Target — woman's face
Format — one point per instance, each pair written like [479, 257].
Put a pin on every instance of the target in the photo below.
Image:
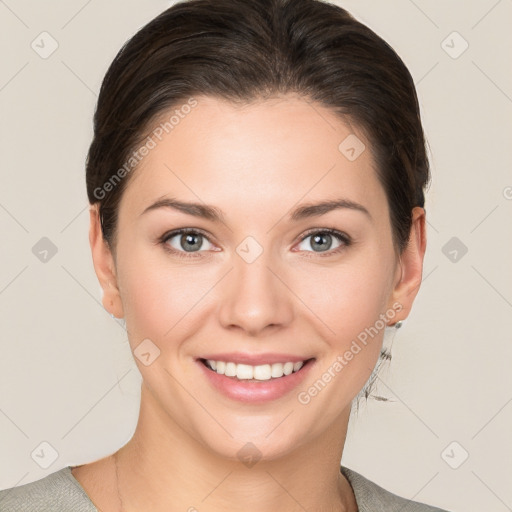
[262, 281]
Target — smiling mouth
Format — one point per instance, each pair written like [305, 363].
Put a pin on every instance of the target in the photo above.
[257, 373]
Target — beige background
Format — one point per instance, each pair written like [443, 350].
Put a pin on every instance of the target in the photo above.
[66, 372]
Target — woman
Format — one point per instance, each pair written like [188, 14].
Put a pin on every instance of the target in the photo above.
[256, 183]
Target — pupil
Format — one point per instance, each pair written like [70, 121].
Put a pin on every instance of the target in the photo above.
[318, 240]
[322, 242]
[191, 240]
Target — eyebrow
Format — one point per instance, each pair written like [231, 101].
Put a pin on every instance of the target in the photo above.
[216, 215]
[314, 209]
[196, 209]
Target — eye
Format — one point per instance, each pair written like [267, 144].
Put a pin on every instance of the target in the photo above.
[186, 240]
[321, 241]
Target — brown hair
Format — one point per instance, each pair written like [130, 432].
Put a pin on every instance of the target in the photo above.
[243, 51]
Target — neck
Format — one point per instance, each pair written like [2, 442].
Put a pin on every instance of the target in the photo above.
[163, 468]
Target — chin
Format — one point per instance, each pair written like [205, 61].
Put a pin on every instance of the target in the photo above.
[250, 450]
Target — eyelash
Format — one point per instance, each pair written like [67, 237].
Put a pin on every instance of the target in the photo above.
[341, 237]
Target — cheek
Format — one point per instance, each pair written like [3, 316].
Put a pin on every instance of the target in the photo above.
[164, 299]
[349, 296]
[349, 317]
[159, 297]
[349, 303]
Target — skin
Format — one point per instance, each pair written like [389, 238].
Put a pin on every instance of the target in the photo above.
[256, 163]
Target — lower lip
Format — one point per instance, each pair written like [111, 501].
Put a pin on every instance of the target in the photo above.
[256, 392]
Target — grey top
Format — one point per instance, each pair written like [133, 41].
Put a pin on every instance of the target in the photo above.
[61, 492]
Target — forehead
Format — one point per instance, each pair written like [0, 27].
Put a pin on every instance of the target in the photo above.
[268, 154]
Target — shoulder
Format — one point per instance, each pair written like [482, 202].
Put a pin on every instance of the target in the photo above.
[58, 492]
[370, 496]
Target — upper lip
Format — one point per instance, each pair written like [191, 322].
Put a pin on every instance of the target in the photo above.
[255, 359]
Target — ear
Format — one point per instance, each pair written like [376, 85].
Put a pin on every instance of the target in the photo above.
[410, 267]
[104, 265]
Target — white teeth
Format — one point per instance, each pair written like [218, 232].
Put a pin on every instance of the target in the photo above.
[262, 372]
[277, 370]
[288, 368]
[230, 370]
[243, 371]
[259, 372]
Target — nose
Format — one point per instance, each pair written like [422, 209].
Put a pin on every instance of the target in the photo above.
[255, 297]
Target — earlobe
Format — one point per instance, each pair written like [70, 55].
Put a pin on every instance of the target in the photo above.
[410, 267]
[104, 265]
